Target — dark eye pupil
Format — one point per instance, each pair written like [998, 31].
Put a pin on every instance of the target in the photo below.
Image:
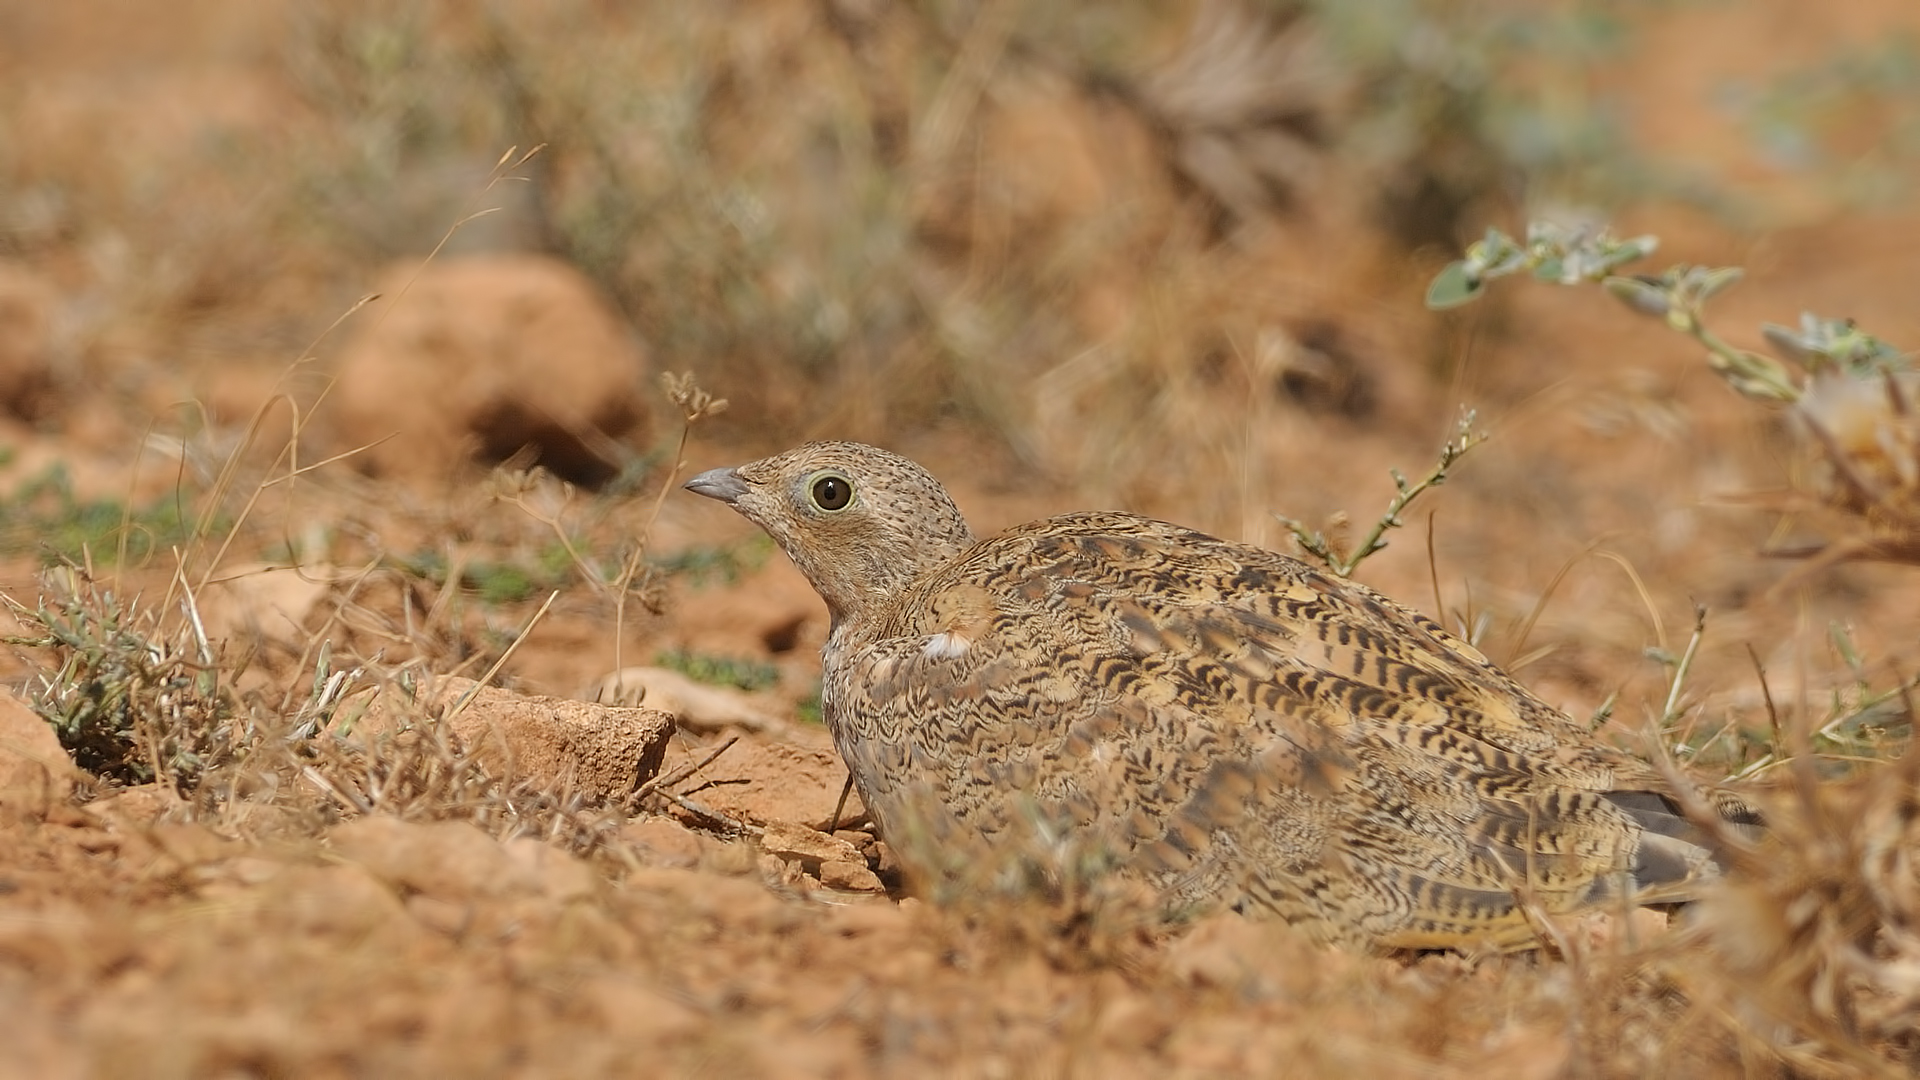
[832, 493]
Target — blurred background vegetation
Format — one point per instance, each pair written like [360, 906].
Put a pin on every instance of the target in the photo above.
[1165, 256]
[1065, 227]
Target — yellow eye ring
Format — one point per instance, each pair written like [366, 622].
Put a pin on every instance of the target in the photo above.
[830, 492]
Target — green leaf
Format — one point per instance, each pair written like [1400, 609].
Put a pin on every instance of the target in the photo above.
[1645, 297]
[1637, 248]
[1452, 287]
[1714, 282]
[1787, 345]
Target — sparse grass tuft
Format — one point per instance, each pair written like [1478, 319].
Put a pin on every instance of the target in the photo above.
[1045, 886]
[137, 698]
[132, 702]
[1810, 951]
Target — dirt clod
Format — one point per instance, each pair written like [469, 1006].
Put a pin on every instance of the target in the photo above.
[851, 875]
[449, 861]
[35, 771]
[470, 366]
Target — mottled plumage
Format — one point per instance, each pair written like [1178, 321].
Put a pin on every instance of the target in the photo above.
[1237, 727]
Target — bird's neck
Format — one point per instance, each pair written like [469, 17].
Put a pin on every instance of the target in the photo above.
[860, 586]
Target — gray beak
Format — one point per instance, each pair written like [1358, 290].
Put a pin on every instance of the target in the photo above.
[722, 484]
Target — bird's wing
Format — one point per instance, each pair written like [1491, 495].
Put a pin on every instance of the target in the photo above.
[1254, 731]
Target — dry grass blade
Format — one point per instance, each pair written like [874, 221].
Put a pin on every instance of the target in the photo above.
[681, 773]
[1818, 935]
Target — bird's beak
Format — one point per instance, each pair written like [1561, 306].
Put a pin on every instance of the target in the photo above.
[722, 484]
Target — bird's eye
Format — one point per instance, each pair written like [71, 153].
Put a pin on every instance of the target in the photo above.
[832, 492]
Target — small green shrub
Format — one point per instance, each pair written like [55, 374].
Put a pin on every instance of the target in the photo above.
[720, 670]
[44, 516]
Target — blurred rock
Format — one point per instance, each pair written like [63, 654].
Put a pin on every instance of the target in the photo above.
[134, 808]
[604, 751]
[662, 841]
[810, 847]
[344, 900]
[698, 706]
[189, 843]
[482, 356]
[625, 1001]
[27, 306]
[561, 876]
[35, 771]
[448, 861]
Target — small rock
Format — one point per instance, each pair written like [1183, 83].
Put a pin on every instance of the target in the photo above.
[605, 751]
[884, 862]
[850, 876]
[699, 707]
[861, 840]
[663, 841]
[807, 846]
[777, 871]
[35, 771]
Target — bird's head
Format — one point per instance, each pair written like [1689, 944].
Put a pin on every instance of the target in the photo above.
[861, 523]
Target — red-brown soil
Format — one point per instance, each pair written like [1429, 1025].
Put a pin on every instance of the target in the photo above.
[169, 288]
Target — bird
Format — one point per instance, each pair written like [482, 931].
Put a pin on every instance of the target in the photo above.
[1231, 726]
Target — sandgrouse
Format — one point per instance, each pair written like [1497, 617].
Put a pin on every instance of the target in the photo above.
[1237, 728]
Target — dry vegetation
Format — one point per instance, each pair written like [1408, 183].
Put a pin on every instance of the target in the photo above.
[1162, 257]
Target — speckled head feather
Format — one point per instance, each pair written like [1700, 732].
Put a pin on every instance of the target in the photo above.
[1232, 726]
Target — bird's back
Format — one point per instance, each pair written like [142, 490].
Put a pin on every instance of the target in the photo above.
[1241, 729]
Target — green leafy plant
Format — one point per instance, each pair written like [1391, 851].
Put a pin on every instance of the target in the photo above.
[1852, 397]
[732, 671]
[1328, 550]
